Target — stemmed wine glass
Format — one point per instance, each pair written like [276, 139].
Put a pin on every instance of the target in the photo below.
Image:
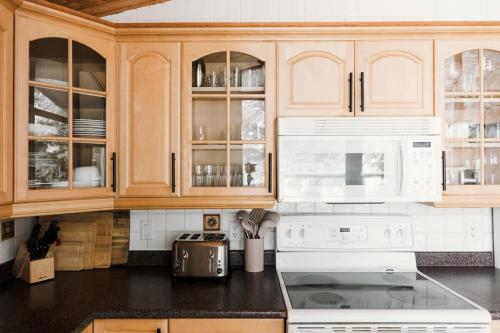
[492, 164]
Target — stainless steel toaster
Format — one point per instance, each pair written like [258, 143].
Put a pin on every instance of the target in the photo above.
[200, 255]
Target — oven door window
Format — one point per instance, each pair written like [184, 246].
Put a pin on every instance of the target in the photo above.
[338, 170]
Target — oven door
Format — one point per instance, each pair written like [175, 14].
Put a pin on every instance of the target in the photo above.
[339, 169]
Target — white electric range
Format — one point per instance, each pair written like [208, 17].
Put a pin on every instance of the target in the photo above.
[358, 273]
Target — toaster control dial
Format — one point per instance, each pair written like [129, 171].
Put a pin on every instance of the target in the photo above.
[219, 270]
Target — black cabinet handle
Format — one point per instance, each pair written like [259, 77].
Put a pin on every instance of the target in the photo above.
[362, 97]
[350, 92]
[113, 181]
[270, 180]
[173, 172]
[443, 158]
[158, 330]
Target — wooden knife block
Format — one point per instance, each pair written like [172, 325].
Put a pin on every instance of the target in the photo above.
[36, 270]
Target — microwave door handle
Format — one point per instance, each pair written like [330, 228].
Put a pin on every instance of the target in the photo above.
[401, 169]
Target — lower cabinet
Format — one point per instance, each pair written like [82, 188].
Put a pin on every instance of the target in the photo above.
[226, 325]
[187, 326]
[131, 326]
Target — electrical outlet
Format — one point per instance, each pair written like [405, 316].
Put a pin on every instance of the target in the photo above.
[472, 231]
[8, 230]
[235, 231]
[146, 229]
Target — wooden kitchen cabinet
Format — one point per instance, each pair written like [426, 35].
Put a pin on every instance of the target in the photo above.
[228, 118]
[226, 325]
[150, 119]
[468, 102]
[131, 326]
[315, 78]
[394, 78]
[6, 101]
[65, 113]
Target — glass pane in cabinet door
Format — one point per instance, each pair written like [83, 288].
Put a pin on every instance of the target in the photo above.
[462, 72]
[491, 70]
[492, 118]
[209, 73]
[209, 166]
[463, 117]
[209, 119]
[89, 165]
[47, 165]
[491, 163]
[247, 165]
[247, 73]
[89, 116]
[463, 163]
[89, 68]
[248, 119]
[48, 112]
[49, 61]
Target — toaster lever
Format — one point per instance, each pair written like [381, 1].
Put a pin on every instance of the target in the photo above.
[211, 261]
[185, 257]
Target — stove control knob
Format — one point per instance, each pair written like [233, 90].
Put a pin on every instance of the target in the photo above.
[387, 232]
[302, 233]
[290, 233]
[400, 232]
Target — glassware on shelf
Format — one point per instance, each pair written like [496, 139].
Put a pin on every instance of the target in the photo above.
[463, 163]
[492, 118]
[248, 119]
[491, 70]
[198, 73]
[48, 112]
[47, 164]
[209, 113]
[209, 73]
[199, 133]
[247, 73]
[247, 165]
[462, 72]
[491, 163]
[463, 117]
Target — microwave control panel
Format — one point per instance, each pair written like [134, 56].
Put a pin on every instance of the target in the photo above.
[424, 166]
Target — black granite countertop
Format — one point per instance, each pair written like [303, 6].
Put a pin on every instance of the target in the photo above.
[479, 284]
[74, 299]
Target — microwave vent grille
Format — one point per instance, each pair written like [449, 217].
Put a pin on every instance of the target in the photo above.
[398, 329]
[359, 126]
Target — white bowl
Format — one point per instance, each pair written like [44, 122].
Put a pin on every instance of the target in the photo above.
[86, 174]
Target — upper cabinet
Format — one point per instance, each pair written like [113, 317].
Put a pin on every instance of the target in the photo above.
[228, 119]
[394, 77]
[362, 78]
[315, 78]
[149, 119]
[468, 101]
[6, 101]
[64, 112]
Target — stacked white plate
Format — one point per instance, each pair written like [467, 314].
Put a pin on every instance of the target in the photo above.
[89, 127]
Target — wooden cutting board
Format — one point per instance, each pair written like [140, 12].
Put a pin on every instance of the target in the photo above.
[121, 236]
[104, 228]
[69, 256]
[77, 231]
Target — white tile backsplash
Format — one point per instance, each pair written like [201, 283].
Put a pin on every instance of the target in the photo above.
[436, 229]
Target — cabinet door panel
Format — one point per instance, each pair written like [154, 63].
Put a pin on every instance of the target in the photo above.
[131, 326]
[150, 118]
[314, 78]
[398, 78]
[226, 325]
[6, 102]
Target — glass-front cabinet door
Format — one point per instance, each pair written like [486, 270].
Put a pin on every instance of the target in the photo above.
[468, 100]
[228, 119]
[64, 142]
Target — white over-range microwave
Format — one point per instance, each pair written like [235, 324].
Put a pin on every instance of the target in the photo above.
[359, 160]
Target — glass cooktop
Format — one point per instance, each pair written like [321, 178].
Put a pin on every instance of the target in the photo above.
[335, 290]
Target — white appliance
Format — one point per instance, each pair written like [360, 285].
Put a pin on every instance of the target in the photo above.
[358, 273]
[349, 160]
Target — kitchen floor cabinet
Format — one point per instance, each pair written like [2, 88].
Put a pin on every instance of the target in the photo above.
[361, 78]
[468, 102]
[131, 326]
[6, 101]
[228, 119]
[226, 325]
[150, 119]
[65, 128]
